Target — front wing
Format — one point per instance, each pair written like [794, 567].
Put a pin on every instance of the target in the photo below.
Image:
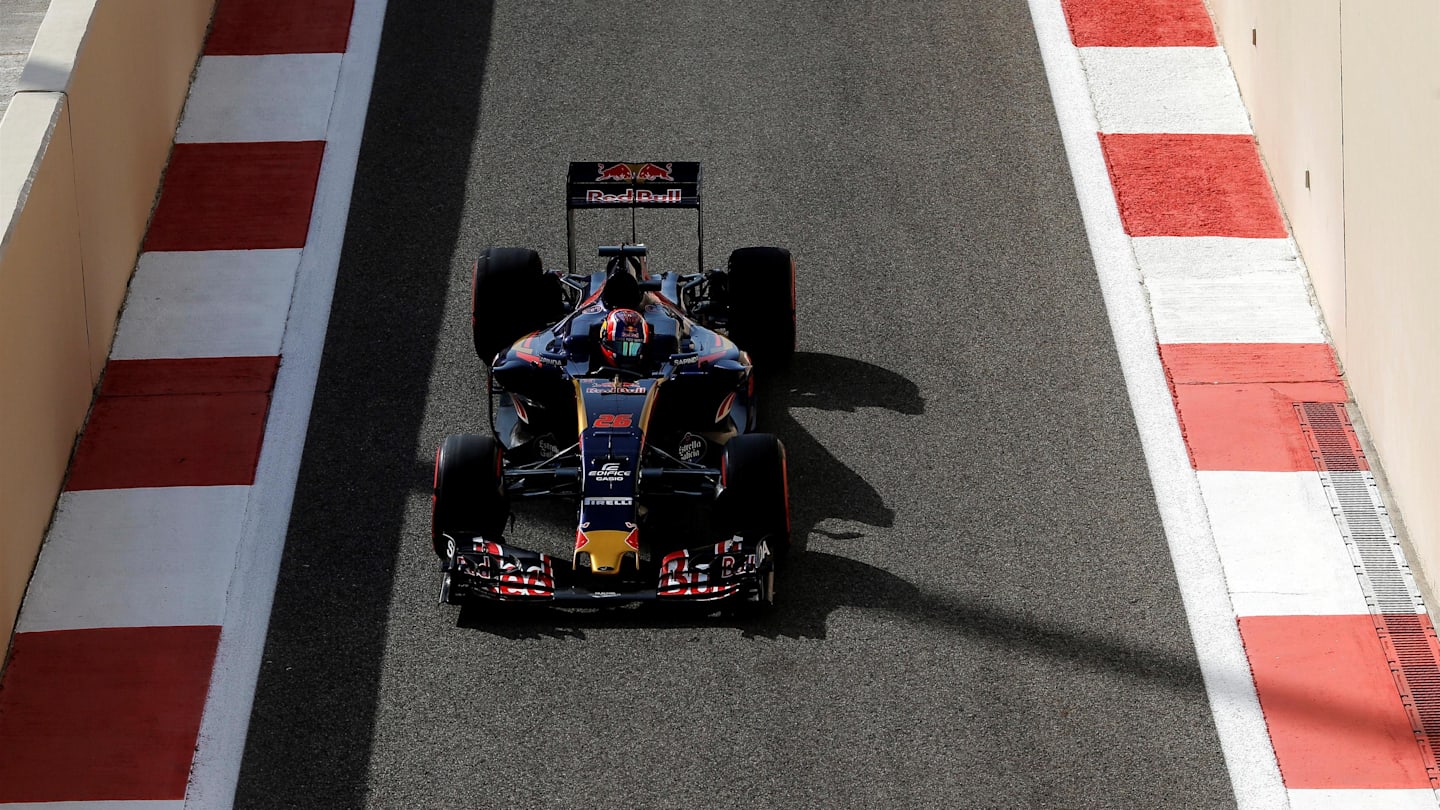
[485, 570]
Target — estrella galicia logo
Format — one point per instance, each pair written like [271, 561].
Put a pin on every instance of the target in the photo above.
[691, 447]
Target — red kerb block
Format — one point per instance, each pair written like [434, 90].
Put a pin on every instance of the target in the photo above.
[255, 27]
[1331, 704]
[1139, 23]
[1191, 185]
[158, 423]
[1212, 363]
[1250, 427]
[237, 196]
[108, 714]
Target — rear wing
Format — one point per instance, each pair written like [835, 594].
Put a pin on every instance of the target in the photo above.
[602, 184]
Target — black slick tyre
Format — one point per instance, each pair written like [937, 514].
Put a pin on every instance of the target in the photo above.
[468, 495]
[761, 298]
[755, 492]
[510, 296]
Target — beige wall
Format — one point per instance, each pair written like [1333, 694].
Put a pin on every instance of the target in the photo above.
[45, 378]
[1290, 78]
[1351, 90]
[82, 148]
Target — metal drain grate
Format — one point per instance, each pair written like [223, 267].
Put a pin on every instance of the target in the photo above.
[1332, 439]
[1396, 607]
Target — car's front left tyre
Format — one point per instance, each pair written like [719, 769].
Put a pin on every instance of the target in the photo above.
[760, 284]
[755, 492]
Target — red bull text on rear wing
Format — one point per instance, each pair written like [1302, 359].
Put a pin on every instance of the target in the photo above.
[622, 184]
[593, 184]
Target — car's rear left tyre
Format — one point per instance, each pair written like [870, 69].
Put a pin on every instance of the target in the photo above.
[511, 296]
[755, 491]
[760, 293]
[469, 497]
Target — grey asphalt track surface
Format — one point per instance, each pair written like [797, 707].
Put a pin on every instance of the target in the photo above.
[981, 612]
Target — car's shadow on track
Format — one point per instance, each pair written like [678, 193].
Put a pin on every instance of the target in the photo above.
[823, 582]
[822, 488]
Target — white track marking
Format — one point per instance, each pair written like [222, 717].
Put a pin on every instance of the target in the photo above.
[136, 558]
[1253, 308]
[222, 303]
[1214, 256]
[1362, 799]
[1282, 549]
[1239, 723]
[276, 97]
[1149, 90]
[215, 772]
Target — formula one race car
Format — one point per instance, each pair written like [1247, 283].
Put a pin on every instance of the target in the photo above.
[632, 393]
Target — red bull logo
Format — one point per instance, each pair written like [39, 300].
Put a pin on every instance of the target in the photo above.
[618, 172]
[637, 172]
[631, 196]
[652, 173]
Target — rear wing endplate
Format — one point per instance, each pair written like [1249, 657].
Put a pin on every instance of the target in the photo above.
[602, 184]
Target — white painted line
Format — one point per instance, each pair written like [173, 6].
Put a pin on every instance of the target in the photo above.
[1239, 723]
[1282, 550]
[277, 97]
[215, 771]
[136, 558]
[1363, 800]
[1153, 90]
[1214, 256]
[1255, 308]
[222, 303]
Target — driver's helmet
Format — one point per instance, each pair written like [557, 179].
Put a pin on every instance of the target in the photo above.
[623, 336]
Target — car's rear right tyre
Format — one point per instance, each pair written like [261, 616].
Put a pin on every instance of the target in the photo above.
[755, 491]
[761, 304]
[469, 497]
[511, 296]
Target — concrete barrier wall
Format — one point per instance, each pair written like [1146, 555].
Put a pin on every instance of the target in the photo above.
[82, 148]
[1349, 90]
[45, 379]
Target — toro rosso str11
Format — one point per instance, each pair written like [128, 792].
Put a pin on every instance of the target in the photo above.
[631, 394]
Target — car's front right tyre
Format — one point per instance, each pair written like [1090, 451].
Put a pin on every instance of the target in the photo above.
[468, 496]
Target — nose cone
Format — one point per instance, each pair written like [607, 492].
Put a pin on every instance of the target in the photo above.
[607, 549]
